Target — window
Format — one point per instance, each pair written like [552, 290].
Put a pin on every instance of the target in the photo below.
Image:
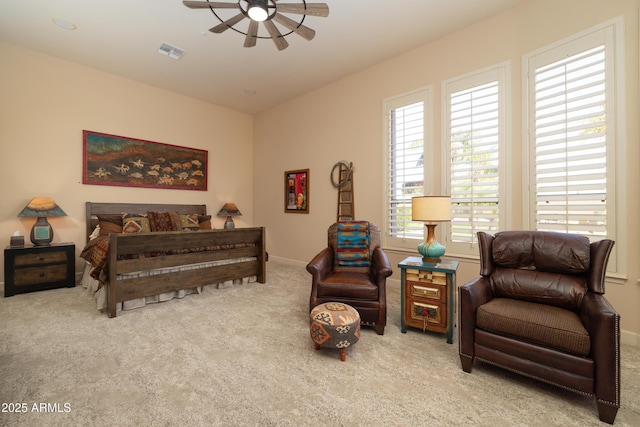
[405, 143]
[475, 135]
[573, 138]
[571, 145]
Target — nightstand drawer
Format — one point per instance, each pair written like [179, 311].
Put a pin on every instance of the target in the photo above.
[40, 258]
[427, 290]
[427, 315]
[37, 275]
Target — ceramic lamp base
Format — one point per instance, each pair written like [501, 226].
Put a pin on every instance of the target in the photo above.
[228, 224]
[41, 232]
[431, 252]
[430, 249]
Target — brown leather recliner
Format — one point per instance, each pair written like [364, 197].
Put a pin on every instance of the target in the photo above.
[538, 309]
[352, 270]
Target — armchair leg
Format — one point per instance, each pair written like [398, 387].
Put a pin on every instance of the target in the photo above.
[380, 330]
[607, 412]
[467, 362]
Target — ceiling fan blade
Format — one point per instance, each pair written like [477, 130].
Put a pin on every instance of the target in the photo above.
[252, 32]
[206, 5]
[227, 24]
[313, 9]
[276, 36]
[301, 30]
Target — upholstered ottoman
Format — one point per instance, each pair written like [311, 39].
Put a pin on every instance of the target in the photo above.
[335, 325]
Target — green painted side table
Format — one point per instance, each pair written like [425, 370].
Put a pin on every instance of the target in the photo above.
[428, 295]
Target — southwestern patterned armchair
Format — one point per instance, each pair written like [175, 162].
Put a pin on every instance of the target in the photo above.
[352, 270]
[538, 309]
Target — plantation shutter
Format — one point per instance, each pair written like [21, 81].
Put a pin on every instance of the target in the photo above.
[405, 168]
[571, 144]
[474, 148]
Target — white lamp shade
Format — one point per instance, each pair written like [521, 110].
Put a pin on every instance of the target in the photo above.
[431, 208]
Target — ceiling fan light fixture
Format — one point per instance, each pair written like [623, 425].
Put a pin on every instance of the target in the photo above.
[257, 10]
[267, 12]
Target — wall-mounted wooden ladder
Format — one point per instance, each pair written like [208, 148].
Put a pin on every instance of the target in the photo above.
[346, 207]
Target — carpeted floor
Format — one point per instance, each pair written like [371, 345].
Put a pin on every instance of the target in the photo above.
[242, 356]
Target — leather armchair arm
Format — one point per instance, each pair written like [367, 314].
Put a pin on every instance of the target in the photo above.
[471, 295]
[603, 324]
[321, 265]
[600, 252]
[380, 267]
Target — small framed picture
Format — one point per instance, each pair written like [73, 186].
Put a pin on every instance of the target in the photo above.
[296, 191]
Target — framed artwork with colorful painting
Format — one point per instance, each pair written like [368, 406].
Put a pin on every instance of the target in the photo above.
[130, 162]
[296, 191]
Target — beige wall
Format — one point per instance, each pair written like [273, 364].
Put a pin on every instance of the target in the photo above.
[343, 121]
[45, 103]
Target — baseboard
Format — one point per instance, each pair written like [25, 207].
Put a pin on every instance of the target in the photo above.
[630, 338]
[289, 261]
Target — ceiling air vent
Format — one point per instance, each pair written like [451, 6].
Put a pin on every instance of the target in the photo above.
[170, 51]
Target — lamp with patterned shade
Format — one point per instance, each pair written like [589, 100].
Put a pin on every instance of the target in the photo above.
[41, 207]
[229, 210]
[431, 209]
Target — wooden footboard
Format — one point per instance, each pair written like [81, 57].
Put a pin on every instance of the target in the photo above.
[132, 244]
[238, 243]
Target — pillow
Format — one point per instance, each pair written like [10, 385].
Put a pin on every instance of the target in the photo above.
[164, 221]
[95, 233]
[205, 222]
[561, 290]
[109, 224]
[135, 223]
[189, 222]
[353, 240]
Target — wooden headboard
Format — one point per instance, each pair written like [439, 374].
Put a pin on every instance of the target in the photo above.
[93, 209]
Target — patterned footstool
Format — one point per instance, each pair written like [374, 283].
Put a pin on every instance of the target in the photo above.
[335, 325]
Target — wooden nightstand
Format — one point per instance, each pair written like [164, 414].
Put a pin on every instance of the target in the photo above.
[36, 268]
[427, 295]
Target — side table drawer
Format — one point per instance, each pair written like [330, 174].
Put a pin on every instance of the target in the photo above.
[37, 275]
[40, 258]
[427, 290]
[424, 314]
[435, 277]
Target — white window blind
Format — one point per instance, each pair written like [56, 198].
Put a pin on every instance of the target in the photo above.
[405, 168]
[571, 144]
[474, 144]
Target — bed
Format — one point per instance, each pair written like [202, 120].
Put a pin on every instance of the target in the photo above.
[145, 267]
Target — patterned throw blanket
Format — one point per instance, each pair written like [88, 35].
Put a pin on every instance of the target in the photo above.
[96, 253]
[353, 244]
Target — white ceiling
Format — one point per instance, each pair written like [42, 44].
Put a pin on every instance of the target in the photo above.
[122, 37]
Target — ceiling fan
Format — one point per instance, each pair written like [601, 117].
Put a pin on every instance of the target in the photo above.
[265, 11]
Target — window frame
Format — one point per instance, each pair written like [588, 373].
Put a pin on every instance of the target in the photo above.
[611, 34]
[424, 95]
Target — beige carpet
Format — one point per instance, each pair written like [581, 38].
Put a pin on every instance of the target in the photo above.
[242, 356]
